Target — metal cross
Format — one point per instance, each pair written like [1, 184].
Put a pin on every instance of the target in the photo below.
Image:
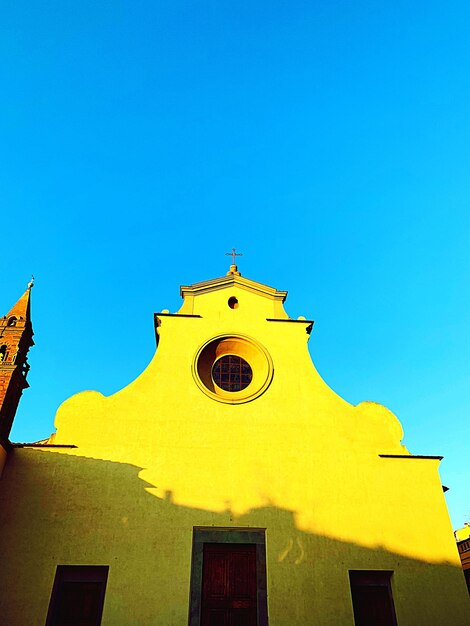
[233, 254]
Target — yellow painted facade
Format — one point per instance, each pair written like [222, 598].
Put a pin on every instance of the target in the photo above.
[462, 536]
[462, 533]
[331, 483]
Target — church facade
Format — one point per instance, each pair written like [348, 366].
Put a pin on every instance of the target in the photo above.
[227, 485]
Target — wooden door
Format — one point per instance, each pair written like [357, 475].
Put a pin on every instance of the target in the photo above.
[229, 588]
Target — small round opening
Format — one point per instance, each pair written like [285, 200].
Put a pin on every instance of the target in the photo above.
[233, 302]
[231, 373]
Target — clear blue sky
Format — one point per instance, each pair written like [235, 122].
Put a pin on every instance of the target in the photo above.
[328, 141]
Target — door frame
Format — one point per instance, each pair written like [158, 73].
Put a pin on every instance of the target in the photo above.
[202, 535]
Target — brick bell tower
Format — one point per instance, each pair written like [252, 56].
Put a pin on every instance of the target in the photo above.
[16, 337]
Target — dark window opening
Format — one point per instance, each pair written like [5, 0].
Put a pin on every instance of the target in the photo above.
[233, 302]
[3, 353]
[372, 598]
[467, 578]
[11, 321]
[77, 596]
[232, 373]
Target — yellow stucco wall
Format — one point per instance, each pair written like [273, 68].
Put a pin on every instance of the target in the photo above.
[161, 456]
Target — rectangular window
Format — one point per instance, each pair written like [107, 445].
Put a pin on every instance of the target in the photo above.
[467, 578]
[372, 598]
[77, 595]
[228, 578]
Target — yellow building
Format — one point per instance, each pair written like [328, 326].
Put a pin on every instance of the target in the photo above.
[462, 536]
[227, 485]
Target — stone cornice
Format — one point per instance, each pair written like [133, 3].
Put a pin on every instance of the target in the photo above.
[232, 280]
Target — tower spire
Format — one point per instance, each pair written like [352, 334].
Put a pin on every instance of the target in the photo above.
[22, 308]
[16, 337]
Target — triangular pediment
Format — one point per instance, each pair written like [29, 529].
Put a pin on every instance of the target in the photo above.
[229, 281]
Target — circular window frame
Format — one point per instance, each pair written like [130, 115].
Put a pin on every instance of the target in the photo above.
[245, 347]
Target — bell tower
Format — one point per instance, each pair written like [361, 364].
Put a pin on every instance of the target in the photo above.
[16, 337]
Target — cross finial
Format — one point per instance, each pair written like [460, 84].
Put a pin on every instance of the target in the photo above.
[31, 282]
[233, 254]
[233, 267]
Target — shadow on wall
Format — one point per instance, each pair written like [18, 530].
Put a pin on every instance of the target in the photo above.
[58, 508]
